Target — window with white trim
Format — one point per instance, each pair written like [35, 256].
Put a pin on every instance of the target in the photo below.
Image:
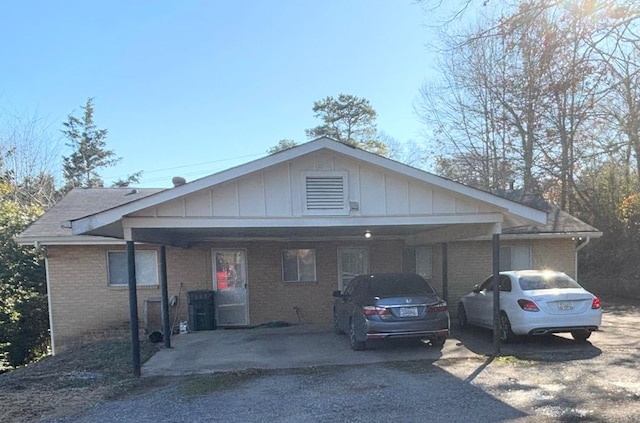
[299, 265]
[146, 268]
[516, 257]
[325, 193]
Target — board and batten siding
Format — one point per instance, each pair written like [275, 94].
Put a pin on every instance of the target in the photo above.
[279, 192]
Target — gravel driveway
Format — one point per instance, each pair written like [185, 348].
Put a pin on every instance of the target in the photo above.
[544, 379]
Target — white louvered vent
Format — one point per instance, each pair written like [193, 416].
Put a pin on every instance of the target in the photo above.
[325, 193]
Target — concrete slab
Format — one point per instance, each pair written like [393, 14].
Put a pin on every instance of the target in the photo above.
[303, 345]
[308, 345]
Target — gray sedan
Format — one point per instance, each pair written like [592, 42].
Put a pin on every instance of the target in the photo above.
[390, 305]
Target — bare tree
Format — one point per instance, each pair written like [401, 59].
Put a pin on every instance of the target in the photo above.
[30, 152]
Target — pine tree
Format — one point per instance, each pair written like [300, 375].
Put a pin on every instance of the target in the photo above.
[90, 151]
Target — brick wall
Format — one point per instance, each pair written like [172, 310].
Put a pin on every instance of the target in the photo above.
[471, 263]
[271, 299]
[84, 305]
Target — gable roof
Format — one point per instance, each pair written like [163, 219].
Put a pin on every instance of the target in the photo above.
[99, 211]
[107, 218]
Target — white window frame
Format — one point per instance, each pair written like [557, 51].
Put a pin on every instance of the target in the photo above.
[298, 258]
[343, 210]
[146, 272]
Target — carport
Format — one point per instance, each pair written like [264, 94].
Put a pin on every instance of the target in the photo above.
[321, 191]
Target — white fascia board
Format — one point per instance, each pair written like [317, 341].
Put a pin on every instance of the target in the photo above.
[68, 240]
[302, 222]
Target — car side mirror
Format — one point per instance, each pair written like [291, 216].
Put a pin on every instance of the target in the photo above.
[338, 294]
[476, 289]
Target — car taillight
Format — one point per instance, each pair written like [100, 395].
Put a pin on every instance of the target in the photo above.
[528, 305]
[375, 311]
[437, 308]
[596, 303]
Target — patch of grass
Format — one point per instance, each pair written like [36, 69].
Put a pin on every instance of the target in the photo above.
[72, 379]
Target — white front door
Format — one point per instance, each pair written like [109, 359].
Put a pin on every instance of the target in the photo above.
[230, 284]
[352, 261]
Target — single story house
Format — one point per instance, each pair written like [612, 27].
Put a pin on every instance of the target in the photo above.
[273, 238]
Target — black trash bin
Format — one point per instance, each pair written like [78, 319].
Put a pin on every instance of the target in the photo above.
[201, 310]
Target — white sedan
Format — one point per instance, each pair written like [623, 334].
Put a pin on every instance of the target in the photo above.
[533, 302]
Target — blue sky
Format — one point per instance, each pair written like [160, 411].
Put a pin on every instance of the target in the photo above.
[194, 87]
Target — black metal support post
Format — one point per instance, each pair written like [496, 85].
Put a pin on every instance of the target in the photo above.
[165, 297]
[445, 271]
[133, 308]
[496, 294]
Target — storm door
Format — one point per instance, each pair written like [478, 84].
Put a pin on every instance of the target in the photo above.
[230, 284]
[352, 261]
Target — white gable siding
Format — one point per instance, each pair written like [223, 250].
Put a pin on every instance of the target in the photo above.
[225, 200]
[198, 205]
[281, 191]
[443, 202]
[397, 195]
[463, 206]
[277, 191]
[420, 199]
[171, 208]
[372, 192]
[324, 161]
[251, 196]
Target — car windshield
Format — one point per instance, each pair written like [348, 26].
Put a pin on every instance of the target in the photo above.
[552, 281]
[398, 285]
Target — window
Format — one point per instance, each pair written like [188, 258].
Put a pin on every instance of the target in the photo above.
[515, 257]
[146, 268]
[299, 265]
[352, 261]
[325, 193]
[418, 260]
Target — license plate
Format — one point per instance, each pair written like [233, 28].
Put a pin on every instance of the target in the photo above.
[565, 306]
[408, 311]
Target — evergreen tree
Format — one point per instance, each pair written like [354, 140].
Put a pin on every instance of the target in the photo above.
[90, 153]
[350, 120]
[24, 321]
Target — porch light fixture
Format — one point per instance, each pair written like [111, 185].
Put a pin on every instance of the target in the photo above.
[367, 234]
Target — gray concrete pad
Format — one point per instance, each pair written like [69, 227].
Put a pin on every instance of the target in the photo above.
[296, 346]
[309, 345]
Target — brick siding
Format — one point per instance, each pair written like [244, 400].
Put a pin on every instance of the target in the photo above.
[85, 306]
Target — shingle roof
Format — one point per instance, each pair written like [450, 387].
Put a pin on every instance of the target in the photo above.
[558, 222]
[80, 202]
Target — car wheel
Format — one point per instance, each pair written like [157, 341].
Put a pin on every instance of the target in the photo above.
[581, 335]
[336, 325]
[438, 342]
[463, 322]
[355, 344]
[506, 334]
